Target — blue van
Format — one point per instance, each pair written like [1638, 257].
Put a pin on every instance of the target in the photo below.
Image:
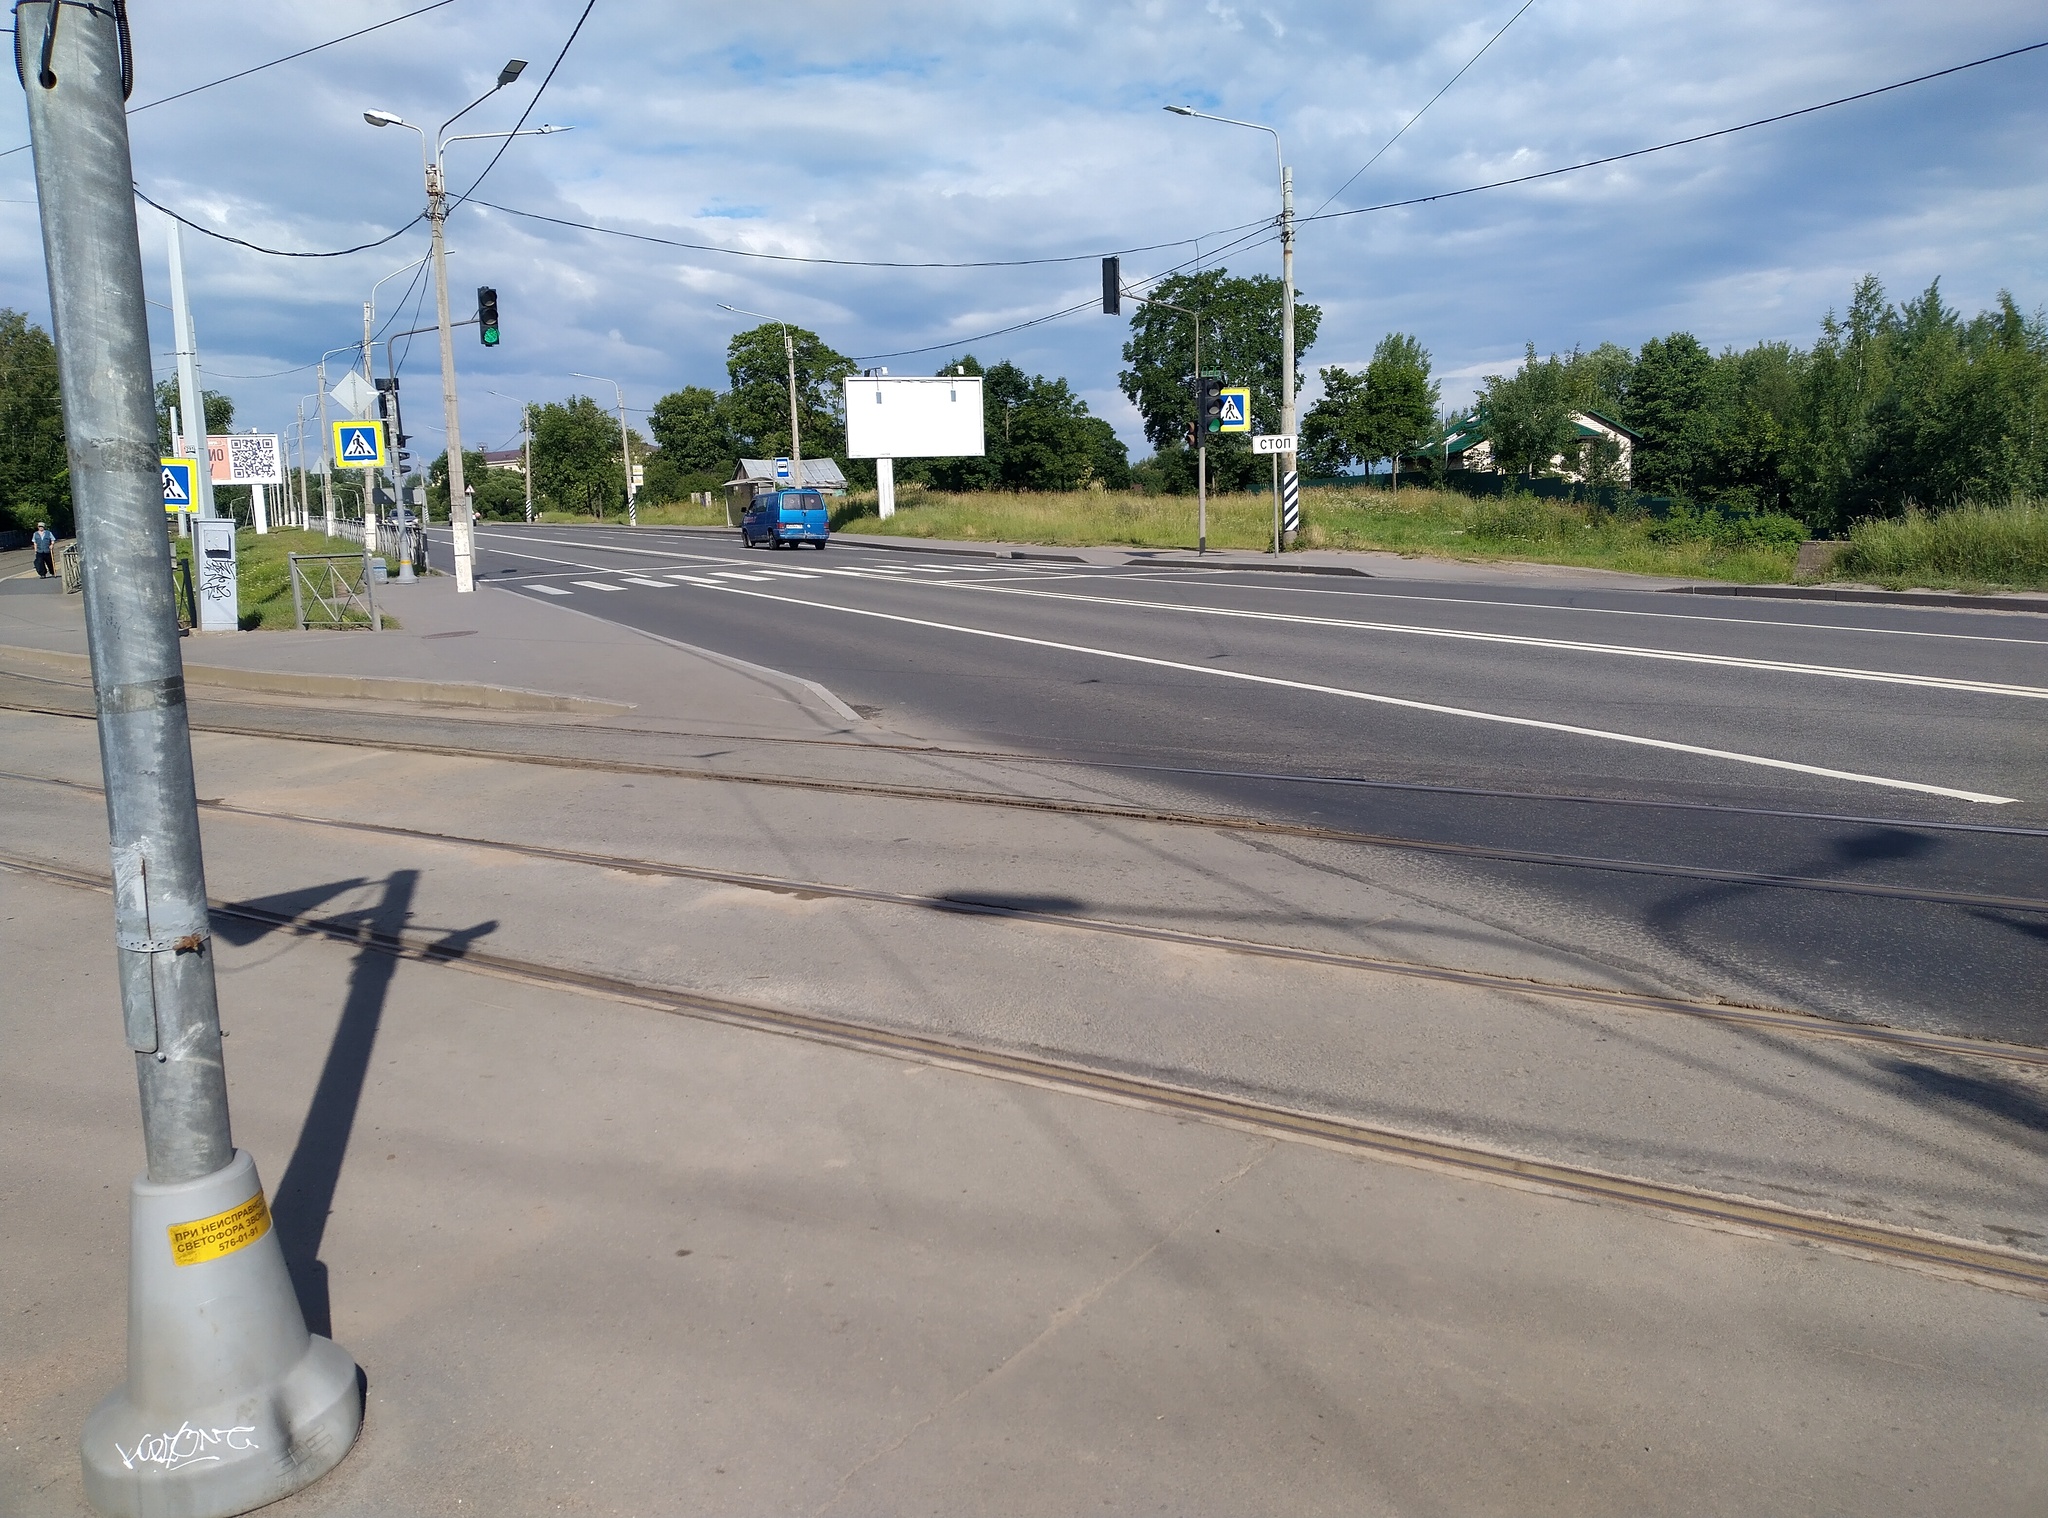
[776, 517]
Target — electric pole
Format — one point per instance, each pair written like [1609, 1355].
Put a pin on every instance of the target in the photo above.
[796, 447]
[462, 516]
[1292, 466]
[216, 1340]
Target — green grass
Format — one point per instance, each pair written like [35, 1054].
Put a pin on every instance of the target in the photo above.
[662, 514]
[1429, 523]
[263, 584]
[1971, 548]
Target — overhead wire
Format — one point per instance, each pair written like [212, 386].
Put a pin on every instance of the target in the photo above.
[545, 82]
[1680, 142]
[1427, 104]
[151, 105]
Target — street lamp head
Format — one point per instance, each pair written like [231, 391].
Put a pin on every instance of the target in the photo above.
[1181, 110]
[383, 118]
[511, 71]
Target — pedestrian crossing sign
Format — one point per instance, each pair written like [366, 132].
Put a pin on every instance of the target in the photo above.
[359, 445]
[1237, 409]
[178, 477]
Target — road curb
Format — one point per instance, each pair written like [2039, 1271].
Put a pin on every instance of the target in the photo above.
[364, 687]
[1934, 598]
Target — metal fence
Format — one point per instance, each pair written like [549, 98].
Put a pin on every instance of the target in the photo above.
[72, 568]
[334, 590]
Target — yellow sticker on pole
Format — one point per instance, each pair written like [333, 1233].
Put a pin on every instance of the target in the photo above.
[209, 1238]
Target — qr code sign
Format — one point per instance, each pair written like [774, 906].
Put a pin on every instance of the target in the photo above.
[254, 460]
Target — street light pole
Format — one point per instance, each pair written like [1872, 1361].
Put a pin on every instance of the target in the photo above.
[1287, 395]
[796, 445]
[462, 516]
[625, 452]
[216, 1338]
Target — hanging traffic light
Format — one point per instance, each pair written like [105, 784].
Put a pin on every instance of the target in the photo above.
[487, 315]
[1112, 286]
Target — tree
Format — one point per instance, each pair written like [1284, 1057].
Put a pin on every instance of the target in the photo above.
[500, 493]
[757, 407]
[1666, 397]
[576, 456]
[35, 471]
[1528, 417]
[1387, 411]
[1037, 435]
[693, 428]
[220, 413]
[1240, 339]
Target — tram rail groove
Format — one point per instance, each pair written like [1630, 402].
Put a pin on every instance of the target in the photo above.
[1158, 816]
[1979, 1264]
[486, 719]
[1776, 1020]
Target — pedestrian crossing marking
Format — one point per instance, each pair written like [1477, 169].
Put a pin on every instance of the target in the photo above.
[549, 590]
[732, 576]
[637, 580]
[693, 580]
[595, 585]
[788, 574]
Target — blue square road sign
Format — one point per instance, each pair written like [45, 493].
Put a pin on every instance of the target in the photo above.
[359, 445]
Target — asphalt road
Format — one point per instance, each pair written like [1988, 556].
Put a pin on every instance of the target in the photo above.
[1867, 743]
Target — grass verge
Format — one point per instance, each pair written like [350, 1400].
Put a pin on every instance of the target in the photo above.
[1433, 523]
[662, 514]
[1972, 548]
[263, 579]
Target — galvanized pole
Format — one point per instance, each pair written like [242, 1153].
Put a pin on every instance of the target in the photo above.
[626, 458]
[1201, 453]
[216, 1333]
[796, 446]
[191, 398]
[326, 460]
[526, 427]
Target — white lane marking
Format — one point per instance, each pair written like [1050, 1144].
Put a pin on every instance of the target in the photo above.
[734, 574]
[1209, 579]
[1520, 640]
[549, 590]
[1437, 708]
[693, 580]
[596, 585]
[787, 574]
[642, 580]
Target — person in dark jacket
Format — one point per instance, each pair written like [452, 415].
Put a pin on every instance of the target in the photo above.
[45, 544]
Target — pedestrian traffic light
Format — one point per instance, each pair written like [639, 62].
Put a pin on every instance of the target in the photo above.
[487, 315]
[1112, 286]
[1208, 406]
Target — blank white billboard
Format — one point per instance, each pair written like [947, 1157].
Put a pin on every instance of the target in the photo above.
[912, 417]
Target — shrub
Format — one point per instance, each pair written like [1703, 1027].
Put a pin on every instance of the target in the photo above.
[1988, 545]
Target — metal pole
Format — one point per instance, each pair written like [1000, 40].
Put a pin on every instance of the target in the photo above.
[626, 458]
[796, 447]
[191, 398]
[1287, 397]
[526, 427]
[326, 459]
[462, 516]
[1201, 453]
[1276, 503]
[215, 1338]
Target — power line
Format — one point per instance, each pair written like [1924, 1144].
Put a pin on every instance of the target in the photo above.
[865, 263]
[273, 63]
[578, 27]
[1418, 115]
[1594, 163]
[183, 221]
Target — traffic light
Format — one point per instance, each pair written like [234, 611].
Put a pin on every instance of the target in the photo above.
[1112, 286]
[487, 315]
[1208, 407]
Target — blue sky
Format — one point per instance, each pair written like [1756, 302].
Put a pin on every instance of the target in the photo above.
[1006, 130]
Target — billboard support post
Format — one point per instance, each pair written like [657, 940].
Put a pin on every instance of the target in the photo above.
[885, 487]
[911, 417]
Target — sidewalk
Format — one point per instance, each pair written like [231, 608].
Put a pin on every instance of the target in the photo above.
[592, 1256]
[484, 649]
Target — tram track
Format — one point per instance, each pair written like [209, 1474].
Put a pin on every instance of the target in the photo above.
[1124, 812]
[1985, 1265]
[1777, 1020]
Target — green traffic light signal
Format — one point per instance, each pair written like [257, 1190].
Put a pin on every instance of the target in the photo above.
[487, 315]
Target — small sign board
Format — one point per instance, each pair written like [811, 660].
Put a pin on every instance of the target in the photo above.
[246, 458]
[1276, 442]
[354, 394]
[782, 471]
[1237, 409]
[359, 445]
[178, 487]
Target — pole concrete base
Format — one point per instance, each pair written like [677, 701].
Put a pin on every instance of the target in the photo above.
[230, 1402]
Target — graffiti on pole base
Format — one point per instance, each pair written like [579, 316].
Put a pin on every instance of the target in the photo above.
[187, 1446]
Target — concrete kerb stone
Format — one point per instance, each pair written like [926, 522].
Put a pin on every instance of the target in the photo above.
[362, 687]
[1939, 599]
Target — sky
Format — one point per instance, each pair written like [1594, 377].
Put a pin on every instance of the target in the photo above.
[998, 130]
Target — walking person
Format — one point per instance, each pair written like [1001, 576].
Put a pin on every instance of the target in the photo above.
[45, 544]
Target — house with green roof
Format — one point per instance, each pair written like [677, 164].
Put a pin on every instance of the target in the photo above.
[1465, 445]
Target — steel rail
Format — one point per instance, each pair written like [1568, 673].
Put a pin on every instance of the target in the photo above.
[1981, 1264]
